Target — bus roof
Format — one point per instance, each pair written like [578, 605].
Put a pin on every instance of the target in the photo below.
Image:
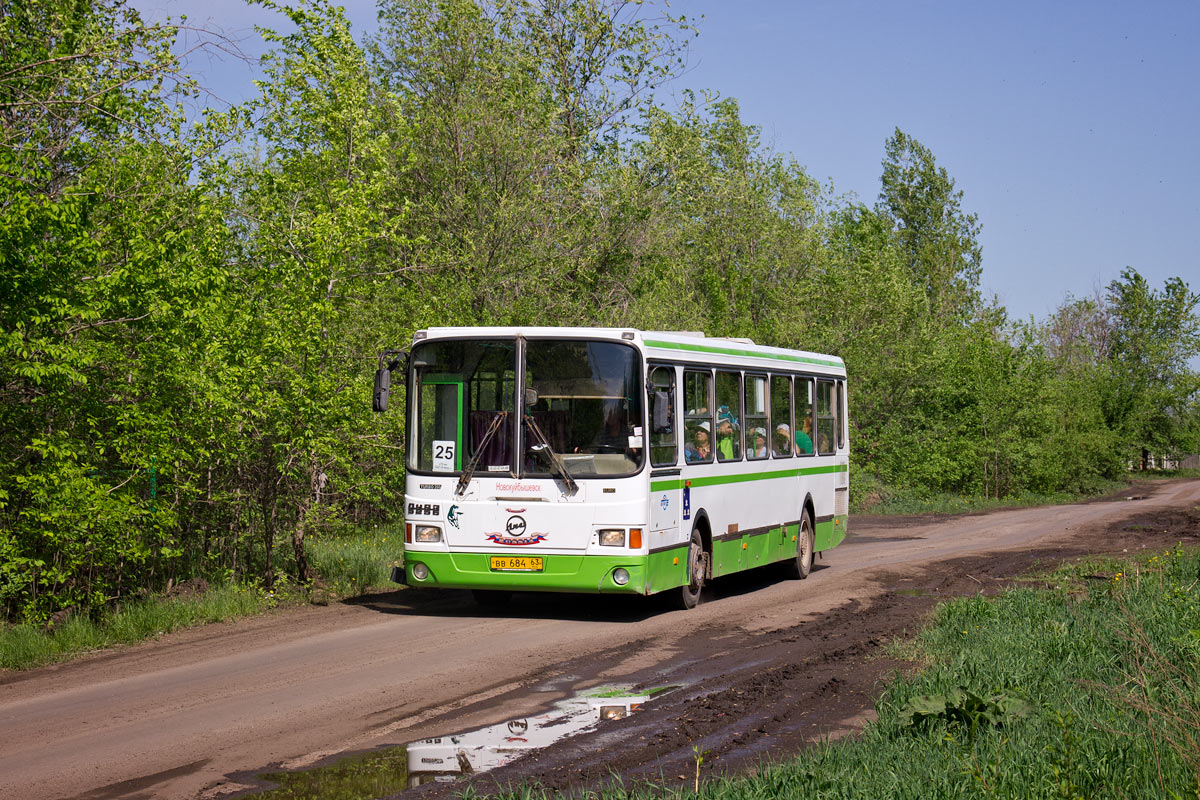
[690, 346]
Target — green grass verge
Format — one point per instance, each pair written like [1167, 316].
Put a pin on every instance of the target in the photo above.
[27, 646]
[1085, 686]
[1166, 474]
[870, 497]
[348, 564]
[956, 504]
[359, 560]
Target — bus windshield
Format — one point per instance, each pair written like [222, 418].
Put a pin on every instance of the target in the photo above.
[588, 409]
[586, 405]
[460, 389]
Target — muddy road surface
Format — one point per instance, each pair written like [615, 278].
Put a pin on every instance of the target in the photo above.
[762, 666]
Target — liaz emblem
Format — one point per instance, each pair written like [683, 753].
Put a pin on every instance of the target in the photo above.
[453, 515]
[515, 534]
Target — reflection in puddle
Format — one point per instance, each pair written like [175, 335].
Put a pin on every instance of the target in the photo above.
[389, 770]
[375, 774]
[448, 757]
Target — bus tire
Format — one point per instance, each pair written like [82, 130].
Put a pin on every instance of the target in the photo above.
[689, 593]
[800, 566]
[491, 598]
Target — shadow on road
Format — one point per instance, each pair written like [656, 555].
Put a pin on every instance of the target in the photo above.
[460, 603]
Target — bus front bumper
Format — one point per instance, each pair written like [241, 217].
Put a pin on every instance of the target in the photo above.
[559, 573]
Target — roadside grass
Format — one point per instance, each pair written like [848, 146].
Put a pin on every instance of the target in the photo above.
[1087, 686]
[958, 504]
[358, 560]
[28, 646]
[1166, 474]
[349, 564]
[871, 497]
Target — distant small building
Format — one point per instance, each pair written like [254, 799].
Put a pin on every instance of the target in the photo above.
[1165, 462]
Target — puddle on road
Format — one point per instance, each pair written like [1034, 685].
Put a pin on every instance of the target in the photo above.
[446, 758]
[362, 777]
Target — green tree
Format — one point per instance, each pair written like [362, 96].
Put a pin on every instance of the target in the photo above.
[1152, 390]
[731, 221]
[319, 231]
[103, 253]
[515, 108]
[939, 239]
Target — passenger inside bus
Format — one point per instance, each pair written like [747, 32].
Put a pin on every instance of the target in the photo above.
[783, 440]
[698, 448]
[804, 443]
[758, 447]
[727, 446]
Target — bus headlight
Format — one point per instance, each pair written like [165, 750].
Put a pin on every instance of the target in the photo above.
[429, 534]
[612, 537]
[420, 571]
[620, 576]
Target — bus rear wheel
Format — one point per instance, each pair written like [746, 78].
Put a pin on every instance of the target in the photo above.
[689, 593]
[800, 566]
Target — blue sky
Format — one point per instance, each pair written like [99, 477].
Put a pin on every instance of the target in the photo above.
[1073, 128]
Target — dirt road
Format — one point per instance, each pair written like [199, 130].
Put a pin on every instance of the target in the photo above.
[765, 664]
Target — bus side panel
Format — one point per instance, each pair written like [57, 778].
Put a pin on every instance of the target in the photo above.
[726, 555]
[666, 569]
[785, 544]
[831, 532]
[759, 548]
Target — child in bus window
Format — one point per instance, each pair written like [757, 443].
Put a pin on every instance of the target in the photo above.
[782, 445]
[699, 448]
[727, 447]
[758, 444]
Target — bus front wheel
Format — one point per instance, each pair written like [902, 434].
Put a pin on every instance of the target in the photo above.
[689, 593]
[800, 566]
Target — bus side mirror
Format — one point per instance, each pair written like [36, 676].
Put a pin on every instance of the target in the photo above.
[383, 382]
[660, 418]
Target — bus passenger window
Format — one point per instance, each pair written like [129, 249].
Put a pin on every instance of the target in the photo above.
[804, 416]
[698, 419]
[781, 416]
[841, 414]
[728, 442]
[826, 418]
[757, 441]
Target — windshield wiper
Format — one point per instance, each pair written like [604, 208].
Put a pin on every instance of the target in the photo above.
[469, 470]
[545, 453]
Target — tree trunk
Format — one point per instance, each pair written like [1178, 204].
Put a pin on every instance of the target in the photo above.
[316, 482]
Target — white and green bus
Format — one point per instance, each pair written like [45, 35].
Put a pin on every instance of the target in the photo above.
[614, 460]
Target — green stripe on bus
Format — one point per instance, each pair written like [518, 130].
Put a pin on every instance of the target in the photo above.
[718, 480]
[829, 534]
[733, 351]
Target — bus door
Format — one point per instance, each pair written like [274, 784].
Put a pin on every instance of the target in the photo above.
[666, 487]
[442, 402]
